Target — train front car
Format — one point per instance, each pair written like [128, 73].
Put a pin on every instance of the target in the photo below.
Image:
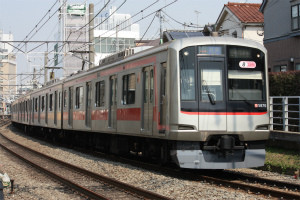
[220, 118]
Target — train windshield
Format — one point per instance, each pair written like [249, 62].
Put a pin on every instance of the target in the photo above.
[245, 74]
[212, 75]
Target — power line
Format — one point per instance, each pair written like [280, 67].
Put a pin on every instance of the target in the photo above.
[183, 24]
[147, 29]
[133, 22]
[45, 21]
[39, 21]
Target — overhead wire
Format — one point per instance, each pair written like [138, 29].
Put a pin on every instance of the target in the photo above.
[183, 24]
[146, 30]
[38, 23]
[46, 21]
[144, 17]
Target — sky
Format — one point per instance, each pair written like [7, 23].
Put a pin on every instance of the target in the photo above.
[20, 17]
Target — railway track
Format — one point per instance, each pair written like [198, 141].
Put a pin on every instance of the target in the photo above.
[92, 185]
[229, 179]
[225, 178]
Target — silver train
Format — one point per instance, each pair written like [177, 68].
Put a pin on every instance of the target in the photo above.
[199, 102]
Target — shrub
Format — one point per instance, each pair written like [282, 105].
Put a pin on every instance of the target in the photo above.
[284, 83]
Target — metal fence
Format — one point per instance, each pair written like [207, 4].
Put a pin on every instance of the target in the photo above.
[285, 113]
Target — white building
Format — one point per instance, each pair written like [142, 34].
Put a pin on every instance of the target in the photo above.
[73, 17]
[241, 20]
[8, 70]
[114, 32]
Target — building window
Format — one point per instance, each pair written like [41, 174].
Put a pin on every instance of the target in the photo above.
[297, 66]
[234, 34]
[280, 68]
[129, 85]
[79, 97]
[100, 94]
[295, 17]
[109, 45]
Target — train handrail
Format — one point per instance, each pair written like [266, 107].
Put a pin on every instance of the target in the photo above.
[285, 113]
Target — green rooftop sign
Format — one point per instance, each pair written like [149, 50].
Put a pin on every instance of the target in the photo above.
[76, 9]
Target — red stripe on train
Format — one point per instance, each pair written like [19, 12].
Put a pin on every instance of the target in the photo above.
[129, 114]
[223, 113]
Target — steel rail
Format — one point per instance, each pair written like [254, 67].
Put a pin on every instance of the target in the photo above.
[132, 189]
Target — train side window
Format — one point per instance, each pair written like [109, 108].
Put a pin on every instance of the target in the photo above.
[59, 100]
[65, 99]
[129, 86]
[79, 97]
[43, 103]
[50, 102]
[36, 104]
[100, 94]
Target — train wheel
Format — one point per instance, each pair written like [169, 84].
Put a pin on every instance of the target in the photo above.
[164, 153]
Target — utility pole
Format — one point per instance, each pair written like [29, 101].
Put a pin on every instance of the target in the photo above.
[158, 14]
[197, 13]
[117, 39]
[91, 36]
[46, 68]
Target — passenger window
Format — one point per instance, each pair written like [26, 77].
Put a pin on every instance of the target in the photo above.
[51, 102]
[36, 104]
[100, 94]
[65, 99]
[59, 100]
[43, 103]
[129, 86]
[79, 97]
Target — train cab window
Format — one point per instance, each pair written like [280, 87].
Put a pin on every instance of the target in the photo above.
[128, 92]
[79, 97]
[211, 82]
[100, 94]
[187, 74]
[50, 102]
[246, 76]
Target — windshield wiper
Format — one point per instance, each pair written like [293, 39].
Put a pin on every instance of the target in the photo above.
[209, 94]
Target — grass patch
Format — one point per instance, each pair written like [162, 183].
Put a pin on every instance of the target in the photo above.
[282, 161]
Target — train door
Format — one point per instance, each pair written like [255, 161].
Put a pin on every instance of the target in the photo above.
[33, 106]
[112, 112]
[39, 110]
[211, 87]
[148, 99]
[46, 109]
[55, 107]
[70, 107]
[163, 104]
[88, 104]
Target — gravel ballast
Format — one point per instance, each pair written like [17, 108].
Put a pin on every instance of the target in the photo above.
[31, 184]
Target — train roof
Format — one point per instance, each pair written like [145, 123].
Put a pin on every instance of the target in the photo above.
[176, 44]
